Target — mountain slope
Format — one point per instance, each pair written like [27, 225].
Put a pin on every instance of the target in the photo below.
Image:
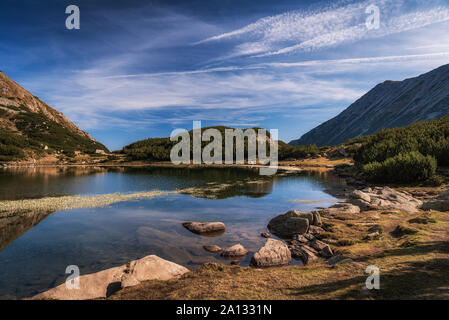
[389, 104]
[31, 128]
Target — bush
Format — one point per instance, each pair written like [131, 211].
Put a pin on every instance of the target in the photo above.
[10, 151]
[428, 138]
[158, 149]
[297, 152]
[435, 181]
[403, 168]
[342, 166]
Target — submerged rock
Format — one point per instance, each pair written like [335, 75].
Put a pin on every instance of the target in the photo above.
[235, 251]
[205, 228]
[212, 248]
[273, 253]
[102, 284]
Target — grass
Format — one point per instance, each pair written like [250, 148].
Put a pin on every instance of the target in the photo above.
[412, 266]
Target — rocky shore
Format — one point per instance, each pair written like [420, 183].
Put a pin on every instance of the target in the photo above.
[309, 237]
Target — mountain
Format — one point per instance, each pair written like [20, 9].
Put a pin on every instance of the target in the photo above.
[388, 105]
[31, 128]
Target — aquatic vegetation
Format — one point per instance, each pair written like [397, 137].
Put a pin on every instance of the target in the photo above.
[74, 202]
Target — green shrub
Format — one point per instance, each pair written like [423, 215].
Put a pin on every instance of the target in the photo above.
[10, 151]
[158, 149]
[403, 168]
[297, 152]
[342, 166]
[435, 181]
[428, 138]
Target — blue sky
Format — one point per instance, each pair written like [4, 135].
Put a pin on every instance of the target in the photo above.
[139, 69]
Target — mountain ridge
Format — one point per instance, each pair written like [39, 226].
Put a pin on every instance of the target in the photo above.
[389, 104]
[30, 128]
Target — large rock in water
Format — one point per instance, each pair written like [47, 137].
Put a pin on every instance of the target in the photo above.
[235, 251]
[205, 228]
[440, 204]
[291, 223]
[101, 284]
[273, 253]
[212, 248]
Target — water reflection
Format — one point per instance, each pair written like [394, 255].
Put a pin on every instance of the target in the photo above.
[37, 247]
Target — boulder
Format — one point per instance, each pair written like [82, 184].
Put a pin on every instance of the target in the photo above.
[342, 207]
[316, 219]
[103, 283]
[357, 194]
[318, 245]
[304, 253]
[300, 238]
[335, 259]
[309, 236]
[326, 252]
[384, 197]
[289, 224]
[437, 205]
[440, 204]
[273, 253]
[205, 227]
[323, 249]
[212, 248]
[314, 230]
[235, 251]
[151, 268]
[91, 286]
[444, 195]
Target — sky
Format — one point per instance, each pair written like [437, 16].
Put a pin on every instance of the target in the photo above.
[140, 69]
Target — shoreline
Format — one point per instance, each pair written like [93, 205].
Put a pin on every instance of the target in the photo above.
[317, 163]
[395, 241]
[348, 233]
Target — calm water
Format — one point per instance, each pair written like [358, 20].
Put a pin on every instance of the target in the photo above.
[36, 250]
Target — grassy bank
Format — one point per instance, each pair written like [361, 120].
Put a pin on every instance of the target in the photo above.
[413, 264]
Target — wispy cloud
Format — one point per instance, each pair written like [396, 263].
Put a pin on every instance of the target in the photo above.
[306, 32]
[148, 73]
